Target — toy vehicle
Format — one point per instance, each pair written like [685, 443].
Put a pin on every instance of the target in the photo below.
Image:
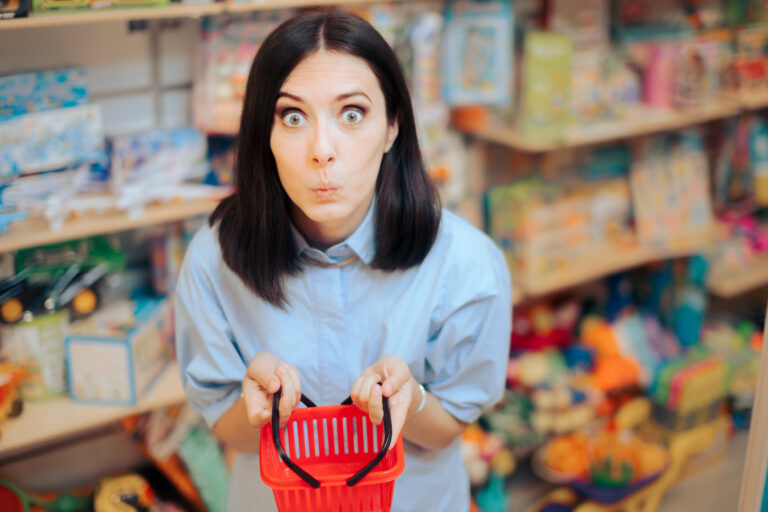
[10, 400]
[53, 277]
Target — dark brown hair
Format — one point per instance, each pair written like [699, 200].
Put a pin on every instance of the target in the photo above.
[254, 223]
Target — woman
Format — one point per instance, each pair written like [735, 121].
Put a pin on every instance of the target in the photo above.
[332, 268]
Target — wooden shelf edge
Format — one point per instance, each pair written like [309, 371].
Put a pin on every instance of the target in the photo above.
[753, 276]
[46, 421]
[656, 121]
[36, 232]
[630, 257]
[85, 16]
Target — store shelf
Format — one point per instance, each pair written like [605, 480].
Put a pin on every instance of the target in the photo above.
[608, 260]
[641, 121]
[42, 422]
[84, 17]
[753, 276]
[34, 232]
[753, 100]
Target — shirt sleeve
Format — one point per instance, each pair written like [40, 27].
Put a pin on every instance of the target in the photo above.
[468, 352]
[210, 365]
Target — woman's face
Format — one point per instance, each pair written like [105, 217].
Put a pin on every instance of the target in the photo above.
[329, 135]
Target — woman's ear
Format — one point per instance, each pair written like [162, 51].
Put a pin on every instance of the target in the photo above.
[392, 131]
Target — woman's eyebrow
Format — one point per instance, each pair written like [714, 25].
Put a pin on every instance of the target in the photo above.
[282, 94]
[342, 97]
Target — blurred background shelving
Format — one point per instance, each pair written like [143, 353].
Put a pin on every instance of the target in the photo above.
[629, 198]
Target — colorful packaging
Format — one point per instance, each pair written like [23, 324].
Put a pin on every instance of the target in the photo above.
[38, 346]
[115, 355]
[24, 93]
[478, 52]
[546, 86]
[51, 140]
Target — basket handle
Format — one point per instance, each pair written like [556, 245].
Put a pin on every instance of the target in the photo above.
[309, 479]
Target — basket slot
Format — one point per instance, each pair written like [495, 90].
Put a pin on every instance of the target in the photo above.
[325, 436]
[316, 438]
[363, 427]
[306, 438]
[354, 434]
[335, 437]
[297, 446]
[286, 444]
[375, 447]
[344, 432]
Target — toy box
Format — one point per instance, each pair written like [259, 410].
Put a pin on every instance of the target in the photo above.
[546, 86]
[38, 347]
[114, 356]
[52, 5]
[14, 9]
[23, 93]
[51, 140]
[477, 63]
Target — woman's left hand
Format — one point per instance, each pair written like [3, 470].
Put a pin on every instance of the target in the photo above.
[396, 384]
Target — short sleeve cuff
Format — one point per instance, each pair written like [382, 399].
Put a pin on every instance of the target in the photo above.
[215, 409]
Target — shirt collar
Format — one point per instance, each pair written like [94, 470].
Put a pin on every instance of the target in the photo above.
[361, 242]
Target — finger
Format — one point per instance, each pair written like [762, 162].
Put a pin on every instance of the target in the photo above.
[288, 398]
[375, 406]
[262, 370]
[398, 376]
[369, 384]
[355, 392]
[256, 404]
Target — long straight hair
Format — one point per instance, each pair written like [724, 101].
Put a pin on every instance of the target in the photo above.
[254, 223]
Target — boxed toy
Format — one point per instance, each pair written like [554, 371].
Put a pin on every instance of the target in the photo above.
[114, 356]
[51, 140]
[23, 93]
[37, 345]
[546, 86]
[477, 63]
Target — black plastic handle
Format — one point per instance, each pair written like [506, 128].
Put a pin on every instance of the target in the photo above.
[309, 479]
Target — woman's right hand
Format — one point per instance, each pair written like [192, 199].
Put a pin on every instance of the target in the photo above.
[264, 376]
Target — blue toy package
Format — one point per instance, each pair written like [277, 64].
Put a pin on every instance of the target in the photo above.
[175, 155]
[24, 93]
[51, 140]
[478, 53]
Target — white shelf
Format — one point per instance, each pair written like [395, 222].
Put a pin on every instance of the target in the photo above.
[42, 422]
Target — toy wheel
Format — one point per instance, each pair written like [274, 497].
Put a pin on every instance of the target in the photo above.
[11, 310]
[85, 302]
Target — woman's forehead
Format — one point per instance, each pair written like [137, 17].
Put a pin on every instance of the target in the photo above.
[331, 73]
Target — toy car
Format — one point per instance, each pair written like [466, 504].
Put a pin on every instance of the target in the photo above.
[68, 274]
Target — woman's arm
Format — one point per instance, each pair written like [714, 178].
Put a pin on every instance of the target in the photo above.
[433, 427]
[234, 429]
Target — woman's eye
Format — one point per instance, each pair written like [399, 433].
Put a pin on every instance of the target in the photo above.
[352, 116]
[293, 119]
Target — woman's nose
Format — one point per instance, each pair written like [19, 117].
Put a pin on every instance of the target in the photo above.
[322, 151]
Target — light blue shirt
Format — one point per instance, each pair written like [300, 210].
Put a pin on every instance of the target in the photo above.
[448, 318]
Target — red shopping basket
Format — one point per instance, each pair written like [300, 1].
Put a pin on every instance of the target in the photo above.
[330, 459]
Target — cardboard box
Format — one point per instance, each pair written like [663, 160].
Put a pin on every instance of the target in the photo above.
[38, 346]
[114, 356]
